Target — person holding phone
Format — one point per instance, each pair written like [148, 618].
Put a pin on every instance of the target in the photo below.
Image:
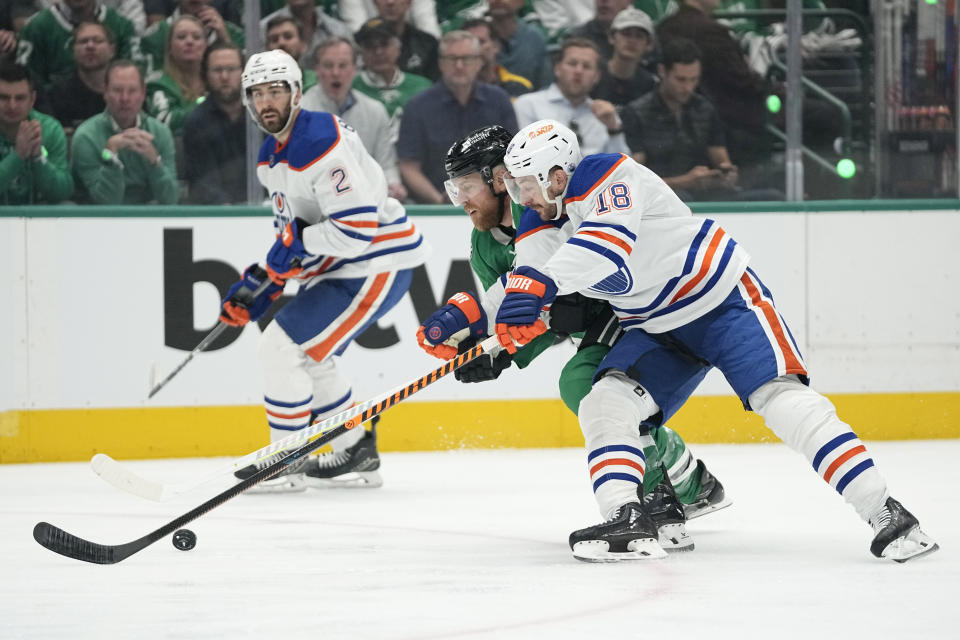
[677, 133]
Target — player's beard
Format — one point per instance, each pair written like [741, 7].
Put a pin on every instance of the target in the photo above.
[486, 220]
[278, 125]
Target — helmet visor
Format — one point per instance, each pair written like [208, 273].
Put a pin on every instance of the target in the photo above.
[462, 188]
[276, 91]
[522, 189]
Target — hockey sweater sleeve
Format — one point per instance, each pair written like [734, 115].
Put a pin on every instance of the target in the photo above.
[606, 196]
[346, 193]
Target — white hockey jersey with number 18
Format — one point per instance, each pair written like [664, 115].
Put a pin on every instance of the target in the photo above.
[324, 176]
[631, 241]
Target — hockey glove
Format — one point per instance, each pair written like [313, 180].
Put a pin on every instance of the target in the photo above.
[240, 306]
[283, 259]
[461, 317]
[482, 368]
[569, 314]
[528, 292]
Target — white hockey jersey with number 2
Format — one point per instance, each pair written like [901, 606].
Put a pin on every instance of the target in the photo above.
[324, 176]
[630, 240]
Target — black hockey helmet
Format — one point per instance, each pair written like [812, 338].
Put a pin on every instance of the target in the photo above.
[479, 151]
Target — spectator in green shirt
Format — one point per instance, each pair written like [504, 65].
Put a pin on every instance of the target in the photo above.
[150, 53]
[33, 147]
[124, 156]
[46, 41]
[381, 77]
[173, 93]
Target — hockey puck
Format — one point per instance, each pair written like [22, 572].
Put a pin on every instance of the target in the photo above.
[184, 539]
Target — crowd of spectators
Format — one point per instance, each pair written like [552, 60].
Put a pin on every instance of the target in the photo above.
[136, 101]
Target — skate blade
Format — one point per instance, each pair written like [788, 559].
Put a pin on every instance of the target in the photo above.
[599, 551]
[913, 545]
[294, 483]
[673, 538]
[695, 511]
[352, 480]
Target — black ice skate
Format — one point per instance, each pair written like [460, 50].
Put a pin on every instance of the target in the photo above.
[630, 534]
[666, 511]
[290, 480]
[354, 467]
[711, 496]
[897, 534]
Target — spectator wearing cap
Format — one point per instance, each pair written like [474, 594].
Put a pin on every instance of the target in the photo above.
[492, 72]
[598, 29]
[315, 25]
[284, 32]
[523, 49]
[623, 77]
[434, 119]
[336, 67]
[381, 78]
[677, 133]
[418, 49]
[80, 96]
[33, 147]
[568, 100]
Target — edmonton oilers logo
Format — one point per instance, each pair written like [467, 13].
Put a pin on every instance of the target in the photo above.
[435, 333]
[279, 201]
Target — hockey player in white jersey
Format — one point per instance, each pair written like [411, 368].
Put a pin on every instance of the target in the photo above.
[681, 280]
[351, 251]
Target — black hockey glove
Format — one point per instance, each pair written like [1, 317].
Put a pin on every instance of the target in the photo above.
[483, 368]
[569, 314]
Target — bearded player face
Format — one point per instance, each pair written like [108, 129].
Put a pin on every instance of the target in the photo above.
[272, 103]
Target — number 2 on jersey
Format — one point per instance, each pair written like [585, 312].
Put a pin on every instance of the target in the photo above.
[616, 196]
[339, 177]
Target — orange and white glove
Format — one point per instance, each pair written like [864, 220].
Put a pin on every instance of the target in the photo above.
[518, 320]
[461, 317]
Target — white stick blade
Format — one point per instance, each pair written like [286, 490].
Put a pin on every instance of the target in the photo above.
[114, 473]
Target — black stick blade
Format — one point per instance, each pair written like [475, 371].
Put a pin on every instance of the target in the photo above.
[67, 544]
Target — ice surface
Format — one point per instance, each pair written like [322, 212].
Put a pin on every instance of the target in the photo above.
[472, 544]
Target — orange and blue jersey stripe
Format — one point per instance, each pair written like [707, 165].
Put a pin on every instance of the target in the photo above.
[611, 241]
[616, 462]
[590, 174]
[707, 258]
[841, 460]
[320, 135]
[785, 350]
[287, 416]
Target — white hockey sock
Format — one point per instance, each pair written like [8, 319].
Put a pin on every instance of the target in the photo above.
[609, 416]
[331, 395]
[807, 422]
[287, 387]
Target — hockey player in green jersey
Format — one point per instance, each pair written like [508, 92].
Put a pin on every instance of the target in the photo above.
[474, 166]
[46, 41]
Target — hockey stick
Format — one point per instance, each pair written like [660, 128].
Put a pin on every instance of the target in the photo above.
[217, 330]
[126, 480]
[66, 544]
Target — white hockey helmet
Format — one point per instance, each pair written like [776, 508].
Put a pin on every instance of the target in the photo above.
[533, 152]
[270, 67]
